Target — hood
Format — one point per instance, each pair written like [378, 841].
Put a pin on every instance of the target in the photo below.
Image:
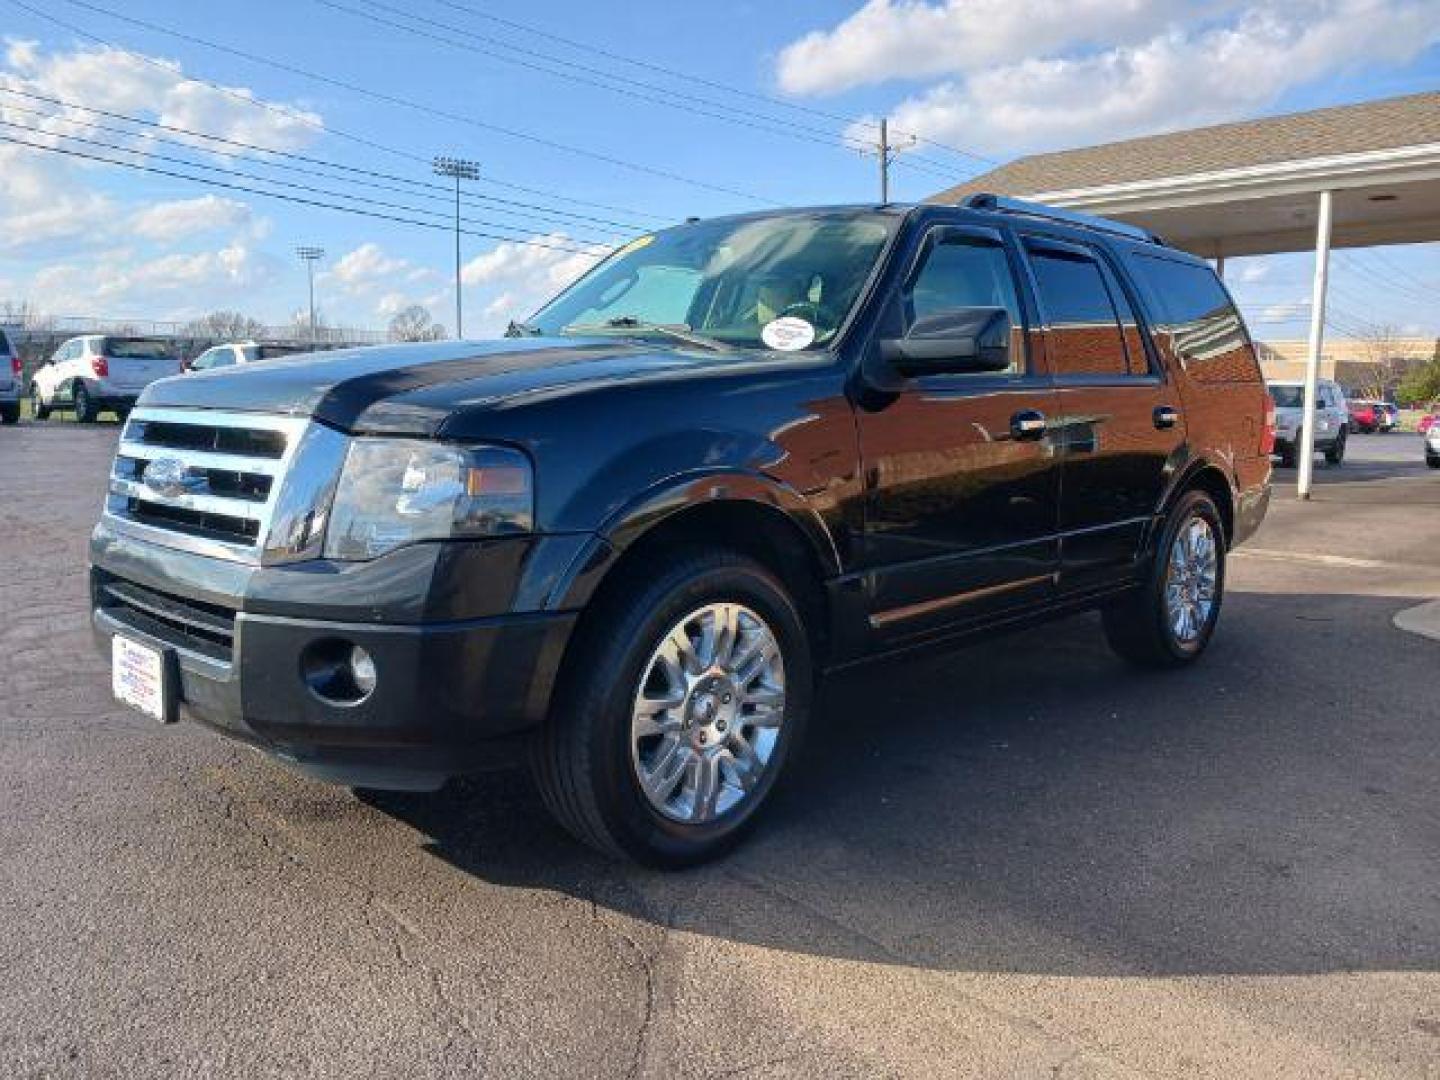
[381, 388]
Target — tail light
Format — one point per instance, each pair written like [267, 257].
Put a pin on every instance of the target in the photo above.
[1267, 432]
[101, 366]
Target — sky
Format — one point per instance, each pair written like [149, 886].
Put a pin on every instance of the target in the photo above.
[592, 123]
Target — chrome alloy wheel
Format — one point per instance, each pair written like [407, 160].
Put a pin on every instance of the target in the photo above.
[1190, 580]
[707, 714]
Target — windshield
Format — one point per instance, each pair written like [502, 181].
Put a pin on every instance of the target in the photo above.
[1288, 397]
[786, 282]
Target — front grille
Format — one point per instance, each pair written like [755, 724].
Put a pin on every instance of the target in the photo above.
[207, 480]
[207, 629]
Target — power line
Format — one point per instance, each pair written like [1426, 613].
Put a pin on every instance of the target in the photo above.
[301, 200]
[430, 191]
[304, 120]
[391, 99]
[770, 99]
[291, 185]
[634, 88]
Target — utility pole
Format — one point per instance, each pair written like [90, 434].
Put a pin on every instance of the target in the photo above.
[884, 160]
[310, 256]
[458, 169]
[886, 151]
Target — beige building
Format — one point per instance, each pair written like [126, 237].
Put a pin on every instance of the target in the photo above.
[1349, 361]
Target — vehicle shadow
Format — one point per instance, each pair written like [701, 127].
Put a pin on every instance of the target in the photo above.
[1031, 805]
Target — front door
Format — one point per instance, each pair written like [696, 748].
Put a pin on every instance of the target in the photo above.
[962, 479]
[1118, 418]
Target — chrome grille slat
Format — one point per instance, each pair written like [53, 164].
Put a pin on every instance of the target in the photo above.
[217, 499]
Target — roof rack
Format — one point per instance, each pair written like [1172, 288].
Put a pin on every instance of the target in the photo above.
[1005, 205]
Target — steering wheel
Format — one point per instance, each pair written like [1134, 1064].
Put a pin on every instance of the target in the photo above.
[817, 315]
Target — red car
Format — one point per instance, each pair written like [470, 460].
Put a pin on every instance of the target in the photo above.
[1364, 417]
[1429, 420]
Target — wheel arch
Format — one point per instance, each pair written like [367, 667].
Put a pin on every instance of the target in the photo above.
[1214, 480]
[748, 513]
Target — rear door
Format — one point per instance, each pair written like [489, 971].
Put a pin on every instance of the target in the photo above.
[137, 362]
[961, 502]
[1118, 419]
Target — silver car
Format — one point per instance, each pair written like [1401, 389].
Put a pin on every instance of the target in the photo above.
[10, 380]
[1332, 420]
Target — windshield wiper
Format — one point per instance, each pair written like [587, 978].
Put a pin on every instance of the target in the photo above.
[679, 331]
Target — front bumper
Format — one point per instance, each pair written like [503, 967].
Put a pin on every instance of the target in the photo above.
[458, 682]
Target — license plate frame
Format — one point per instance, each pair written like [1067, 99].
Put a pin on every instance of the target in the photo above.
[141, 677]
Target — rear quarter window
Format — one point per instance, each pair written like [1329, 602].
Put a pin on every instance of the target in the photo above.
[1193, 309]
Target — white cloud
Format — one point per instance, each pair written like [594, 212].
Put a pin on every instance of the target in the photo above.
[366, 267]
[122, 282]
[181, 218]
[1220, 63]
[525, 276]
[914, 39]
[157, 89]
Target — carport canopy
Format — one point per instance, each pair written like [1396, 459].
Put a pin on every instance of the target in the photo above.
[1351, 176]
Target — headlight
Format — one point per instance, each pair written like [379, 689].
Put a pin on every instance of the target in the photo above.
[394, 492]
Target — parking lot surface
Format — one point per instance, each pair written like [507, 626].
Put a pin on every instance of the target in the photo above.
[1020, 860]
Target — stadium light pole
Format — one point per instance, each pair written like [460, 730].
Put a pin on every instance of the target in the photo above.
[310, 256]
[457, 169]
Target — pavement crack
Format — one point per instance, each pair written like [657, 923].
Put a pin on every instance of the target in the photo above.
[647, 963]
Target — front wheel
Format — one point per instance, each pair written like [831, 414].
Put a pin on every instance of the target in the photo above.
[1169, 621]
[685, 693]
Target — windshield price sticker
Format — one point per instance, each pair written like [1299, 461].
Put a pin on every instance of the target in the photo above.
[787, 334]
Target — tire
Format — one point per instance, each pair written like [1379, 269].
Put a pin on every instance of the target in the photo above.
[38, 409]
[86, 411]
[588, 759]
[1141, 629]
[1433, 462]
[1287, 457]
[10, 412]
[1335, 454]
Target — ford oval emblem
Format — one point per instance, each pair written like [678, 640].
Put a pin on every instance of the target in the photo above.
[167, 477]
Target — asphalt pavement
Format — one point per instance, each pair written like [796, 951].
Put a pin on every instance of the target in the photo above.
[1017, 860]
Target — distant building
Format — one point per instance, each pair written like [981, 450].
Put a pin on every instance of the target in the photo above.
[1349, 361]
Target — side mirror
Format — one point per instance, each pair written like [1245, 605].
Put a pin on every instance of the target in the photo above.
[961, 341]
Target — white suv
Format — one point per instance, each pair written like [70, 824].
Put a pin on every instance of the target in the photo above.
[10, 380]
[1332, 419]
[242, 352]
[99, 372]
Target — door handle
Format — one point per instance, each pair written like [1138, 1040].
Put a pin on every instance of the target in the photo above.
[1166, 416]
[1028, 424]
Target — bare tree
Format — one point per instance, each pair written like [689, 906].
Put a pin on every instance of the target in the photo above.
[1384, 362]
[221, 326]
[23, 313]
[415, 324]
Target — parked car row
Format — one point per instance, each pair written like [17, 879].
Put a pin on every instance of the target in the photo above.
[94, 373]
[1369, 417]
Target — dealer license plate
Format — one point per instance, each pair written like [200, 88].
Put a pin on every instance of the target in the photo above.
[137, 676]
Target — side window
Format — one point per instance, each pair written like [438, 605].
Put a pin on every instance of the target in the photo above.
[1085, 337]
[961, 272]
[1205, 331]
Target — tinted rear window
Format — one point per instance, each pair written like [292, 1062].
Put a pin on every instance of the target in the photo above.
[271, 352]
[1287, 397]
[1084, 327]
[1205, 330]
[136, 348]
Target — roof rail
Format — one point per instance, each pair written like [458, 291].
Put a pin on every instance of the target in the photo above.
[1006, 205]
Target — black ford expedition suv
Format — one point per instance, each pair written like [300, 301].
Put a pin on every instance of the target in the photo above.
[627, 539]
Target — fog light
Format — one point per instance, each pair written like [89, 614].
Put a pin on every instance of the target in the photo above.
[338, 672]
[362, 670]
